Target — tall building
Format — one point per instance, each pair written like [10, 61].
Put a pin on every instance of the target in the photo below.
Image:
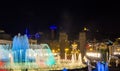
[5, 38]
[63, 38]
[82, 41]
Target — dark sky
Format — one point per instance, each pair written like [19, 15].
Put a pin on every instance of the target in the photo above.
[69, 16]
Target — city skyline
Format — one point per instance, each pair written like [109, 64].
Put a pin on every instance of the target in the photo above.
[70, 17]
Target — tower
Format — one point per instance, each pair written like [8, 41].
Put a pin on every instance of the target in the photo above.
[63, 37]
[53, 28]
[82, 41]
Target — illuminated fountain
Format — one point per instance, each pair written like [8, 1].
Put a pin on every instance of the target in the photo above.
[73, 59]
[22, 55]
[101, 66]
[25, 56]
[80, 59]
[20, 45]
[4, 54]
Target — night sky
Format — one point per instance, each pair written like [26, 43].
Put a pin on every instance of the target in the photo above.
[68, 16]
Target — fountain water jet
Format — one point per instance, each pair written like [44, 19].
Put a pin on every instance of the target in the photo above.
[101, 66]
[20, 45]
[80, 59]
[73, 59]
[22, 56]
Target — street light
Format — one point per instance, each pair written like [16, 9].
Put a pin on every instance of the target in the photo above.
[85, 29]
[53, 51]
[66, 50]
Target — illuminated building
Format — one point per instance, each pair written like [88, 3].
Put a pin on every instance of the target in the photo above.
[53, 28]
[4, 38]
[63, 37]
[82, 40]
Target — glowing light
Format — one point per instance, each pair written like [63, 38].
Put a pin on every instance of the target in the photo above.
[30, 55]
[66, 49]
[65, 69]
[85, 29]
[91, 49]
[53, 27]
[53, 51]
[118, 49]
[119, 38]
[37, 35]
[93, 54]
[9, 55]
[90, 45]
[116, 53]
[58, 49]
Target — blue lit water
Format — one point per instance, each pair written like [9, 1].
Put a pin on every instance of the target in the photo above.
[22, 53]
[50, 60]
[20, 45]
[101, 66]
